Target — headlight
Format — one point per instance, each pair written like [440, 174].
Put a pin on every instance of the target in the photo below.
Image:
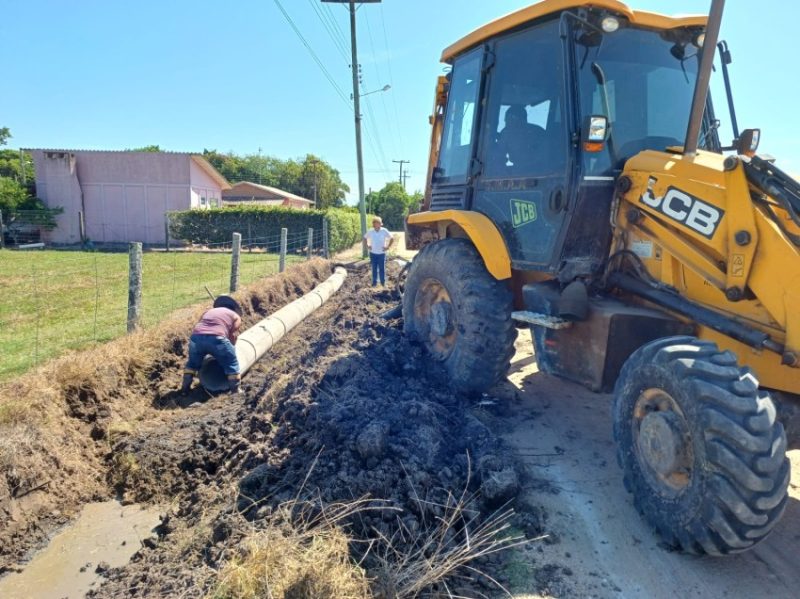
[610, 24]
[699, 39]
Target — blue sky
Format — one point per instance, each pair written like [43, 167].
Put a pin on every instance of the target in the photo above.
[234, 76]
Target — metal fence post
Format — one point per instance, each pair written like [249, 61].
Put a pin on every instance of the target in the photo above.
[282, 257]
[325, 237]
[166, 232]
[310, 242]
[2, 233]
[236, 255]
[134, 285]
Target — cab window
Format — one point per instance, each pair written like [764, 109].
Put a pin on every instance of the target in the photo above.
[456, 151]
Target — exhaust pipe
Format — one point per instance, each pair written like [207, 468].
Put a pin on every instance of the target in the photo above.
[703, 78]
[258, 339]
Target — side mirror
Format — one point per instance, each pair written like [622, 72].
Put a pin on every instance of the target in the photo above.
[747, 144]
[595, 133]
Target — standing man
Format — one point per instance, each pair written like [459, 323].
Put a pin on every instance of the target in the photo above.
[216, 334]
[378, 241]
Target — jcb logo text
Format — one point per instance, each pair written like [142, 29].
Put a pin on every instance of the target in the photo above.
[685, 208]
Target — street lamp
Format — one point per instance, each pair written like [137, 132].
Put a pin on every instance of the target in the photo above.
[385, 88]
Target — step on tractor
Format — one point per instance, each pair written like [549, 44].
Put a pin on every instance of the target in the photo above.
[578, 186]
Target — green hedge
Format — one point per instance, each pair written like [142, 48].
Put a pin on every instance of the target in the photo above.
[217, 225]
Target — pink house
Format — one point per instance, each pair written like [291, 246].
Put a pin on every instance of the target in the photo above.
[263, 195]
[124, 196]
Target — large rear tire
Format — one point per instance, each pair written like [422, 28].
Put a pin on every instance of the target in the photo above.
[460, 313]
[700, 447]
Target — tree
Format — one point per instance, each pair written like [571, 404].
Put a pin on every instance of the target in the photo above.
[299, 177]
[391, 203]
[151, 148]
[5, 135]
[12, 195]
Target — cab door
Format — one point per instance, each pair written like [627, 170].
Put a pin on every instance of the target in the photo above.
[521, 175]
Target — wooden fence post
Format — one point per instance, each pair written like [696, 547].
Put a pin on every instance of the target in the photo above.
[282, 258]
[325, 237]
[82, 226]
[310, 242]
[134, 285]
[236, 255]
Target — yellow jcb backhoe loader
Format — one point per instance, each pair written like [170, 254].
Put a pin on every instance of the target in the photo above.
[578, 185]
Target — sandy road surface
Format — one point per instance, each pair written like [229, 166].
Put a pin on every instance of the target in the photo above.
[562, 434]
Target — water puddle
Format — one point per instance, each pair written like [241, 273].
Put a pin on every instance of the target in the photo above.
[108, 533]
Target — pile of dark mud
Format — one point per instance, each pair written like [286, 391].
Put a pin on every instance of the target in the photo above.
[345, 408]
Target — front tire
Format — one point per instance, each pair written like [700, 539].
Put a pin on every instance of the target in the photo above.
[460, 313]
[700, 447]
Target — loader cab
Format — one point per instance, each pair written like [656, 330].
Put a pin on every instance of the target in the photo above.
[514, 126]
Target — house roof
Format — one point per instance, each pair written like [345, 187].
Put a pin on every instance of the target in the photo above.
[211, 171]
[268, 190]
[197, 158]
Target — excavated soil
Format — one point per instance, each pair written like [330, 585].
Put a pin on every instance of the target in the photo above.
[60, 422]
[344, 408]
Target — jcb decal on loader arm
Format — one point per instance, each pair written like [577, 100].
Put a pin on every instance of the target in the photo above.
[684, 208]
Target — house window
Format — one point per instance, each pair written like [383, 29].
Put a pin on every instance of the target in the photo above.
[203, 201]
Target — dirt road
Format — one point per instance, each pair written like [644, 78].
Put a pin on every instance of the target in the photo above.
[562, 434]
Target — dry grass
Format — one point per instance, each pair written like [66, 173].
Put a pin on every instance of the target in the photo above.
[296, 556]
[442, 550]
[302, 551]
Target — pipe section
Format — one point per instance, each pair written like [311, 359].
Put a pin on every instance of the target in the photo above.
[258, 339]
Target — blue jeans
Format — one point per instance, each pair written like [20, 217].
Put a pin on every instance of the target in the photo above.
[219, 347]
[378, 262]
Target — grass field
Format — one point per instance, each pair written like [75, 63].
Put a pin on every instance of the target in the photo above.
[51, 301]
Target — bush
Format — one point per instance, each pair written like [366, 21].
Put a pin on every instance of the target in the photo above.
[217, 225]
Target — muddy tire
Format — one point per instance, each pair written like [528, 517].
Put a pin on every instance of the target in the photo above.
[460, 313]
[700, 447]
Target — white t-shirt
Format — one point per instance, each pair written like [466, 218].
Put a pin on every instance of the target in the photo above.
[376, 240]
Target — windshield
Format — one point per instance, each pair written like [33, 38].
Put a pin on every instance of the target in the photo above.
[643, 82]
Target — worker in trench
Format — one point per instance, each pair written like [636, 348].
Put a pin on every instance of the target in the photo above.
[216, 334]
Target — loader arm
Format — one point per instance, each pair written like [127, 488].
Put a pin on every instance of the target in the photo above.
[693, 224]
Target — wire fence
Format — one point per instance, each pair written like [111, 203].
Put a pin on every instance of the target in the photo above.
[52, 301]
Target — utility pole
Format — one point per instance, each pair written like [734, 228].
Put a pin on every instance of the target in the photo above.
[405, 176]
[314, 162]
[401, 163]
[357, 110]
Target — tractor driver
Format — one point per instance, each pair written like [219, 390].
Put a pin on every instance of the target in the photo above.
[518, 141]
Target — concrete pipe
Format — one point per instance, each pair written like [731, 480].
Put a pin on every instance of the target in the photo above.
[258, 339]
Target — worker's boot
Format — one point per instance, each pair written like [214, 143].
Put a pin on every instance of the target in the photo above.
[186, 385]
[234, 384]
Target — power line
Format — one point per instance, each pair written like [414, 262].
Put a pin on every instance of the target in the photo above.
[391, 81]
[342, 49]
[380, 77]
[329, 11]
[373, 122]
[325, 72]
